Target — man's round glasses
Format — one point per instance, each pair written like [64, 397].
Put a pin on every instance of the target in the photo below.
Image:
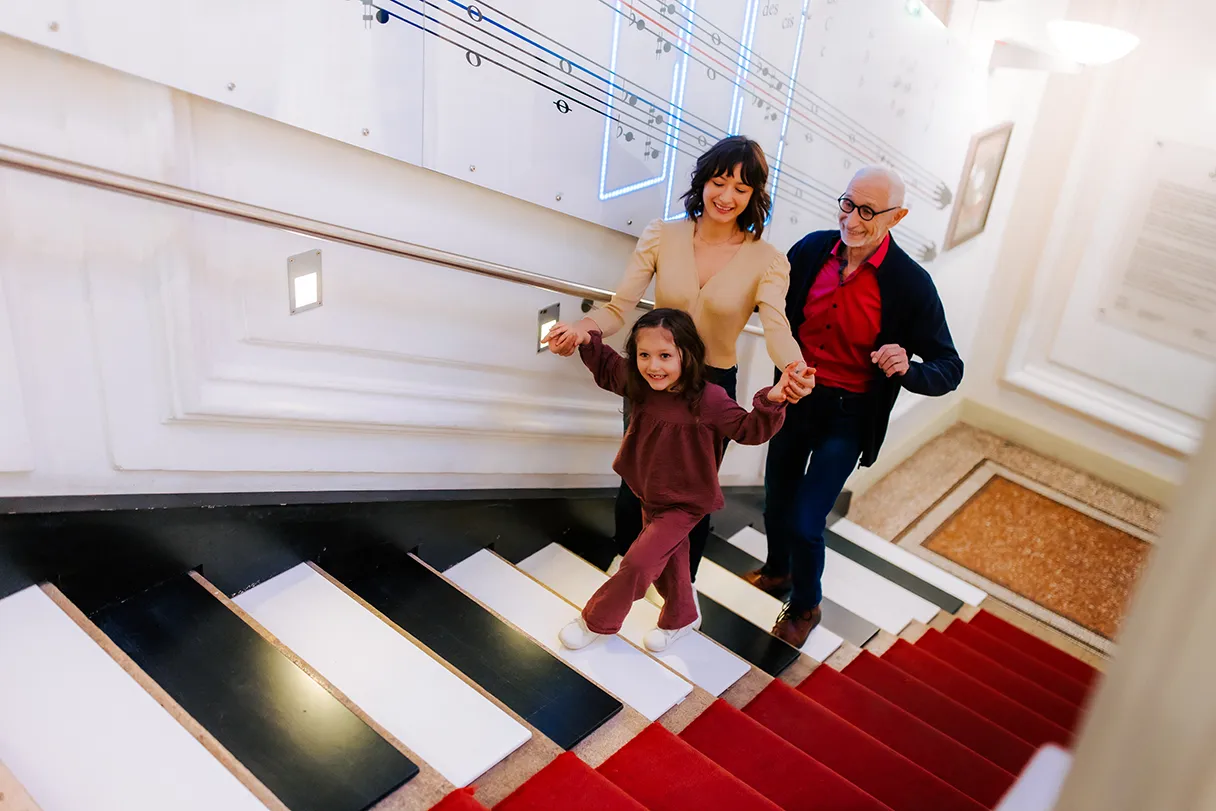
[866, 213]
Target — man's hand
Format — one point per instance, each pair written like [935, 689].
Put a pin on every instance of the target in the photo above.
[564, 339]
[892, 359]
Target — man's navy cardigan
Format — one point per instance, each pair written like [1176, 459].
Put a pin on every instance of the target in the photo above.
[912, 316]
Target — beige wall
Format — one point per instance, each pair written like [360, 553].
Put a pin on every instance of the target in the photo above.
[1140, 416]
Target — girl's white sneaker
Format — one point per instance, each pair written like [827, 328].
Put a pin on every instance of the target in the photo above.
[658, 640]
[576, 635]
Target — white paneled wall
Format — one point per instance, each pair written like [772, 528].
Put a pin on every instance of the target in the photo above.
[149, 348]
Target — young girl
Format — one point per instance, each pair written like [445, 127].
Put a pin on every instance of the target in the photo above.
[669, 457]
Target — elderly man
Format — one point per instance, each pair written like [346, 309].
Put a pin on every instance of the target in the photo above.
[860, 308]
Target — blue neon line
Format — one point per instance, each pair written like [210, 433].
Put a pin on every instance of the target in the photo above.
[745, 64]
[789, 97]
[679, 72]
[686, 36]
[616, 35]
[736, 109]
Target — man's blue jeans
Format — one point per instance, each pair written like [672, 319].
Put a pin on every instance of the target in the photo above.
[826, 429]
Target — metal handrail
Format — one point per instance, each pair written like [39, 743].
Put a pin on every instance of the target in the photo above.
[73, 172]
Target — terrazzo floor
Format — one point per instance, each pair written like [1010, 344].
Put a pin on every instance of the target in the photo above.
[1060, 558]
[1059, 550]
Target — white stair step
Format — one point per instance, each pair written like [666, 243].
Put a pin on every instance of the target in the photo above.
[79, 733]
[850, 585]
[752, 541]
[430, 709]
[612, 663]
[756, 607]
[695, 657]
[909, 562]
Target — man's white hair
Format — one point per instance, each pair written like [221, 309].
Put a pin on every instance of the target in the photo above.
[895, 183]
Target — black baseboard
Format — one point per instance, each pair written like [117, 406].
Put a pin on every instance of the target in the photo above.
[110, 547]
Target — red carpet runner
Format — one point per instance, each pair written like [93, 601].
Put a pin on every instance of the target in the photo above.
[1001, 710]
[939, 754]
[1035, 648]
[859, 758]
[768, 763]
[567, 782]
[1044, 675]
[664, 773]
[941, 712]
[459, 800]
[942, 725]
[999, 678]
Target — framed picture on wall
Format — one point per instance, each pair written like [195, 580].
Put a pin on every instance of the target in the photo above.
[981, 171]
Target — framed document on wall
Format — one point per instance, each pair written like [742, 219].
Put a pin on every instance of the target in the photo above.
[981, 171]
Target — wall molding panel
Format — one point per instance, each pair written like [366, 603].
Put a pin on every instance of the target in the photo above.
[16, 450]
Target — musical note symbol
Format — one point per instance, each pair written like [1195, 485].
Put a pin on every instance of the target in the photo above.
[661, 46]
[809, 138]
[562, 106]
[793, 219]
[637, 21]
[650, 151]
[621, 132]
[655, 116]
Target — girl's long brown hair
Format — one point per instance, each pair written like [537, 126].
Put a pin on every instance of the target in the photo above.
[692, 354]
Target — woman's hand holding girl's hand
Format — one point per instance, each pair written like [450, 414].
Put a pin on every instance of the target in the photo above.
[780, 393]
[564, 339]
[801, 381]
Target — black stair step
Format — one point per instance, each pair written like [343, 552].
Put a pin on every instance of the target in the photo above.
[521, 674]
[312, 752]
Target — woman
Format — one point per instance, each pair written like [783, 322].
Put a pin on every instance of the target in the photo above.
[714, 266]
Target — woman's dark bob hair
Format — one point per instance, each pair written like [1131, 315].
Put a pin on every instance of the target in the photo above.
[721, 159]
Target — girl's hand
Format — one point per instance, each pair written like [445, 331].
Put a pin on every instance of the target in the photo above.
[801, 381]
[564, 339]
[780, 393]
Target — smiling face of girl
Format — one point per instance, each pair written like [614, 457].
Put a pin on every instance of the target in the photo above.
[658, 358]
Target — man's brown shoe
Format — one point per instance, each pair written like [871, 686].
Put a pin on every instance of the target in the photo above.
[776, 586]
[795, 626]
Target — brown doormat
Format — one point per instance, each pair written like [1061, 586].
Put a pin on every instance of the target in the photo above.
[1061, 561]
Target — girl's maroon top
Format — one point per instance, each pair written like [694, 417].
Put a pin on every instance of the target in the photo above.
[671, 451]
